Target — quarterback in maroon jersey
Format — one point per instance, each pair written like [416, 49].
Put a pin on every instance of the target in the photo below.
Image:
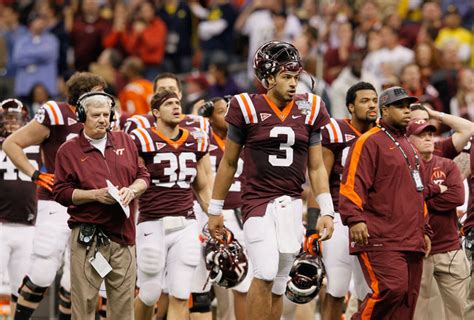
[54, 123]
[280, 131]
[18, 204]
[167, 231]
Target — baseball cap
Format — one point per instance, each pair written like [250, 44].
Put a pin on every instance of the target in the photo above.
[418, 126]
[395, 94]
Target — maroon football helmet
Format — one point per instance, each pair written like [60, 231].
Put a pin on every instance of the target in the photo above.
[13, 115]
[306, 278]
[226, 260]
[275, 56]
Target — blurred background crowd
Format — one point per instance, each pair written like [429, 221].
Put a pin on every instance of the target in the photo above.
[425, 46]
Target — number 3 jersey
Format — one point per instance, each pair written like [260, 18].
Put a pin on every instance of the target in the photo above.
[172, 166]
[276, 145]
[60, 119]
[17, 192]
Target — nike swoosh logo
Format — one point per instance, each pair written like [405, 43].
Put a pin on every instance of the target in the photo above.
[84, 159]
[147, 234]
[52, 212]
[188, 123]
[189, 144]
[295, 117]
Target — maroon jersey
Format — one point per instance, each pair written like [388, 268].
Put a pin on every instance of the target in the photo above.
[60, 119]
[172, 166]
[442, 206]
[276, 145]
[188, 121]
[216, 151]
[338, 136]
[17, 192]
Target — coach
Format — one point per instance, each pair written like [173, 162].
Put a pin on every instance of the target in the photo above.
[101, 231]
[381, 200]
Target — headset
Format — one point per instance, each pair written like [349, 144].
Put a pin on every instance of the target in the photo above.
[81, 110]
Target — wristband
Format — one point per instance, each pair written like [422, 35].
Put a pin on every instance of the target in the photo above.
[215, 207]
[35, 175]
[325, 203]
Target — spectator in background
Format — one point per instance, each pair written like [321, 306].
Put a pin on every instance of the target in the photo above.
[107, 66]
[117, 37]
[216, 31]
[389, 60]
[147, 39]
[368, 17]
[462, 104]
[55, 24]
[136, 96]
[453, 32]
[10, 31]
[336, 59]
[87, 33]
[349, 76]
[195, 90]
[38, 96]
[427, 58]
[256, 22]
[177, 16]
[412, 82]
[221, 81]
[36, 56]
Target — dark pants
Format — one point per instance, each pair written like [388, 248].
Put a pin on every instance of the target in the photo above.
[394, 278]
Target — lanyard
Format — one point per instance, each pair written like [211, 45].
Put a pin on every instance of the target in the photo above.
[417, 159]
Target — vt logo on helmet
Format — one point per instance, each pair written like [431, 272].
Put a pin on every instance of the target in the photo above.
[226, 260]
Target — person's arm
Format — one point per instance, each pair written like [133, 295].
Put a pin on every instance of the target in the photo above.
[463, 163]
[201, 183]
[453, 196]
[313, 207]
[224, 178]
[463, 129]
[31, 134]
[243, 16]
[318, 178]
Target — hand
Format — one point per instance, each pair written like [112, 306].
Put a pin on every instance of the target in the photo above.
[139, 26]
[359, 233]
[43, 179]
[427, 246]
[215, 224]
[312, 243]
[126, 195]
[442, 188]
[102, 195]
[325, 227]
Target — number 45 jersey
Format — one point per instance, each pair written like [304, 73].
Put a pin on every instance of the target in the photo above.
[173, 167]
[276, 145]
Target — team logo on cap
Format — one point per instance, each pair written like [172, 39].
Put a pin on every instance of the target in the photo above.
[383, 99]
[399, 92]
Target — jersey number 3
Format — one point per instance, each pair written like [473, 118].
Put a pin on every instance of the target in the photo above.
[286, 146]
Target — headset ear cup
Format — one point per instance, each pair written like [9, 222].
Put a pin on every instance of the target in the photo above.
[80, 114]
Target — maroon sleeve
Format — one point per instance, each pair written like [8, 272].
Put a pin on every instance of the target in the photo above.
[357, 179]
[454, 196]
[142, 172]
[323, 117]
[427, 230]
[469, 223]
[234, 115]
[445, 148]
[64, 178]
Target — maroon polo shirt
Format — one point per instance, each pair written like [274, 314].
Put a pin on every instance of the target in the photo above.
[79, 165]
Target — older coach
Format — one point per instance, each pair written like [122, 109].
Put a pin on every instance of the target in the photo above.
[103, 236]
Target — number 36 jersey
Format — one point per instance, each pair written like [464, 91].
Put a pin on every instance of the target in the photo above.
[172, 166]
[276, 145]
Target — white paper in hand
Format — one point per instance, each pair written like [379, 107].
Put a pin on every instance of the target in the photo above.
[114, 193]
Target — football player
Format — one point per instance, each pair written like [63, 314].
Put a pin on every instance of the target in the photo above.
[337, 137]
[54, 123]
[167, 231]
[280, 131]
[18, 203]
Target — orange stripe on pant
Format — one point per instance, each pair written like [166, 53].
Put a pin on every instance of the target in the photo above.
[374, 285]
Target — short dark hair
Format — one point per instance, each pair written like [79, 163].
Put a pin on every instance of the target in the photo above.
[352, 92]
[417, 106]
[166, 75]
[80, 83]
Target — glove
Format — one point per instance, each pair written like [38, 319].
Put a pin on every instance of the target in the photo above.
[470, 240]
[312, 245]
[43, 179]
